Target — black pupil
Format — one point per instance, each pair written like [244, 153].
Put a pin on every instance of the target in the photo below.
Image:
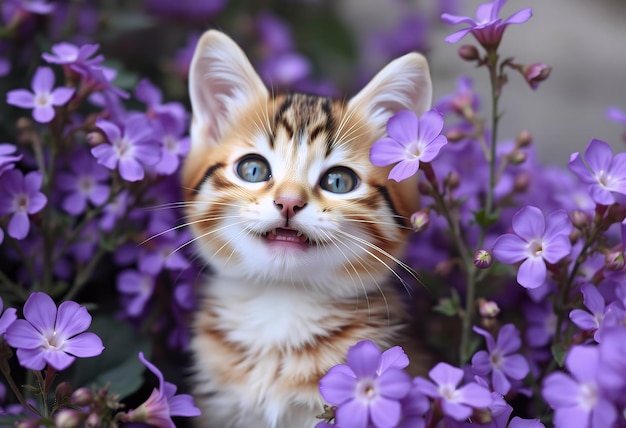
[253, 170]
[339, 182]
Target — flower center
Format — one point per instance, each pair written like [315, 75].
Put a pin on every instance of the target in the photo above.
[21, 202]
[535, 248]
[366, 389]
[496, 358]
[415, 149]
[42, 99]
[54, 341]
[588, 395]
[170, 143]
[603, 178]
[448, 392]
[122, 147]
[85, 184]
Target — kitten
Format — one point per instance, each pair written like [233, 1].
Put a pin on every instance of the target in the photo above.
[301, 230]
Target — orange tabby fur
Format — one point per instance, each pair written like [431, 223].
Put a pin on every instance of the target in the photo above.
[274, 319]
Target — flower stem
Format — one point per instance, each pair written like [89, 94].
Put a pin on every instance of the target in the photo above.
[6, 372]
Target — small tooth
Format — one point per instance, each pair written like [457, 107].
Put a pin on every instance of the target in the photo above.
[299, 233]
[264, 233]
[273, 231]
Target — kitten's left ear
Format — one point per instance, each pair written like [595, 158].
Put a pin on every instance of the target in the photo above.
[403, 84]
[222, 82]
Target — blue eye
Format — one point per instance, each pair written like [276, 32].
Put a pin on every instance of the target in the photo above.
[254, 169]
[339, 180]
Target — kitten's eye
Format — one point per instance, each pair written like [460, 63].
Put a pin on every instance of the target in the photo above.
[339, 180]
[253, 168]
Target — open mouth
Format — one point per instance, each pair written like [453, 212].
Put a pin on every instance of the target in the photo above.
[286, 235]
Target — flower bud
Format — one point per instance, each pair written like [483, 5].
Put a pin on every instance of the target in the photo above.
[455, 134]
[523, 139]
[469, 53]
[93, 421]
[63, 392]
[425, 188]
[522, 182]
[614, 260]
[518, 157]
[453, 180]
[82, 397]
[95, 138]
[28, 423]
[67, 418]
[483, 259]
[420, 220]
[580, 219]
[443, 268]
[536, 73]
[488, 308]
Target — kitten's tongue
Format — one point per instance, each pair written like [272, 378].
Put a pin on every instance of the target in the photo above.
[287, 235]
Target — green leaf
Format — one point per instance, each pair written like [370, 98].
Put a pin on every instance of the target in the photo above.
[483, 219]
[118, 366]
[558, 352]
[449, 306]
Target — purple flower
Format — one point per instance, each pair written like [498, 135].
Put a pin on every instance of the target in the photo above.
[115, 210]
[368, 389]
[487, 27]
[414, 407]
[612, 377]
[536, 240]
[174, 145]
[20, 196]
[616, 115]
[456, 403]
[51, 336]
[7, 317]
[74, 56]
[138, 286]
[593, 301]
[541, 321]
[576, 398]
[130, 149]
[83, 183]
[43, 98]
[605, 174]
[12, 9]
[500, 360]
[411, 141]
[7, 158]
[162, 404]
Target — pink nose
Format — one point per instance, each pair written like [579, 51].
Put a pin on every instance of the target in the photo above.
[288, 206]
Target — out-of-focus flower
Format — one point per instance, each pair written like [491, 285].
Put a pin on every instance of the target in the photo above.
[138, 286]
[76, 57]
[593, 301]
[174, 144]
[20, 196]
[189, 9]
[576, 397]
[414, 407]
[15, 10]
[368, 389]
[541, 323]
[536, 73]
[162, 404]
[130, 149]
[536, 240]
[7, 318]
[604, 173]
[488, 28]
[84, 182]
[457, 403]
[612, 376]
[7, 157]
[616, 115]
[500, 359]
[43, 97]
[51, 336]
[115, 210]
[411, 140]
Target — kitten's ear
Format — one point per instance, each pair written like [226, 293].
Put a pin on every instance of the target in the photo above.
[403, 84]
[222, 82]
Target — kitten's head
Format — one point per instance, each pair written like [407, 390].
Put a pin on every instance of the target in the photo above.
[281, 188]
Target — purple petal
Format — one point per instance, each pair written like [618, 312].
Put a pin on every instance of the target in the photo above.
[62, 95]
[84, 345]
[491, 344]
[515, 366]
[385, 413]
[582, 363]
[403, 127]
[386, 152]
[500, 383]
[558, 223]
[22, 334]
[36, 203]
[559, 390]
[456, 411]
[481, 363]
[40, 311]
[598, 155]
[105, 155]
[404, 170]
[456, 36]
[529, 223]
[509, 339]
[601, 195]
[426, 387]
[475, 395]
[603, 414]
[353, 414]
[457, 19]
[363, 358]
[43, 114]
[31, 358]
[444, 373]
[430, 125]
[578, 167]
[393, 357]
[338, 385]
[21, 98]
[131, 169]
[74, 203]
[72, 319]
[111, 130]
[19, 225]
[183, 405]
[532, 273]
[394, 383]
[509, 249]
[153, 369]
[43, 80]
[433, 148]
[148, 153]
[519, 17]
[593, 300]
[556, 248]
[487, 12]
[99, 194]
[58, 359]
[518, 422]
[583, 319]
[9, 315]
[32, 182]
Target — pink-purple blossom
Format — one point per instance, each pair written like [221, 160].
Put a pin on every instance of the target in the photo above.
[43, 97]
[411, 140]
[84, 182]
[20, 197]
[535, 241]
[76, 57]
[604, 173]
[6, 319]
[48, 335]
[589, 320]
[488, 28]
[8, 157]
[368, 389]
[456, 402]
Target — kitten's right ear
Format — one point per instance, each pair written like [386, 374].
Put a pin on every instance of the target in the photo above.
[222, 82]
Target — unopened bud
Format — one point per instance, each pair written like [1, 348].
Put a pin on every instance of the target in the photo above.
[580, 219]
[523, 139]
[483, 259]
[420, 220]
[95, 138]
[443, 268]
[63, 392]
[469, 53]
[518, 157]
[522, 182]
[24, 124]
[425, 188]
[488, 308]
[452, 180]
[28, 423]
[82, 397]
[614, 260]
[93, 420]
[67, 418]
[455, 134]
[536, 73]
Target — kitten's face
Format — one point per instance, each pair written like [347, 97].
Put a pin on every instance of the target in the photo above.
[281, 188]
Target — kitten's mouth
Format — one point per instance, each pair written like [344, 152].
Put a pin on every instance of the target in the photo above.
[288, 236]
